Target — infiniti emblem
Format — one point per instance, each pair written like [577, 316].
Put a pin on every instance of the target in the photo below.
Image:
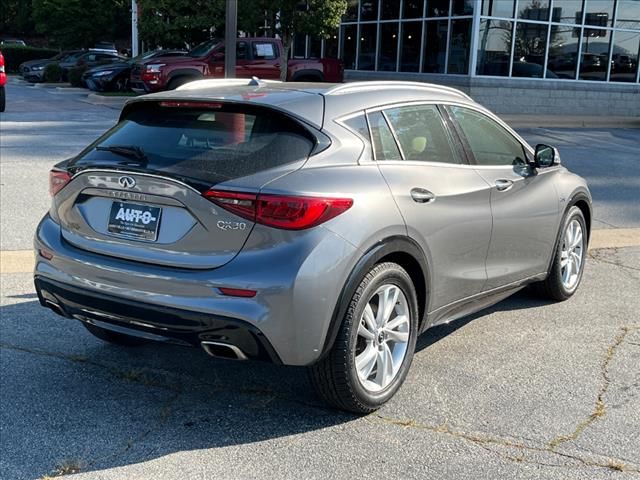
[127, 182]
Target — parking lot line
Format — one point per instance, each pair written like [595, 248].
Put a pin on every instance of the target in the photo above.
[22, 261]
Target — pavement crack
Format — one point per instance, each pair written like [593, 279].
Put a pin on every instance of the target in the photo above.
[598, 256]
[486, 442]
[140, 376]
[600, 407]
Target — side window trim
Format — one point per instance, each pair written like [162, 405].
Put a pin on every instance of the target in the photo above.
[393, 132]
[459, 135]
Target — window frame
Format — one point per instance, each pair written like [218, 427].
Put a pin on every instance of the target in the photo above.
[457, 146]
[527, 150]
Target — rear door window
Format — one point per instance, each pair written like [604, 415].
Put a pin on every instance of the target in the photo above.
[264, 51]
[208, 144]
[421, 133]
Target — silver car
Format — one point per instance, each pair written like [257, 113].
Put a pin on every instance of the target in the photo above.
[306, 224]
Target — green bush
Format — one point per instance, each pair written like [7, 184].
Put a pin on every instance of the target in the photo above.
[52, 73]
[75, 76]
[15, 55]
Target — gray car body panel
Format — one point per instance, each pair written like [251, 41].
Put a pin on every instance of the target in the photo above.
[476, 245]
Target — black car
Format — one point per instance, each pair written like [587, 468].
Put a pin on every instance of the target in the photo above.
[115, 76]
[90, 59]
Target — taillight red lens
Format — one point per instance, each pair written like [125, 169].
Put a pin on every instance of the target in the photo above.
[57, 181]
[281, 211]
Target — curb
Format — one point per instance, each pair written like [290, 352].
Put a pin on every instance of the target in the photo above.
[49, 85]
[70, 90]
[113, 102]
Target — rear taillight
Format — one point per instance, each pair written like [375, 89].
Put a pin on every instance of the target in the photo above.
[280, 211]
[57, 180]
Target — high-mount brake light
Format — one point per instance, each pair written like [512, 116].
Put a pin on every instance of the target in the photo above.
[187, 104]
[57, 181]
[287, 212]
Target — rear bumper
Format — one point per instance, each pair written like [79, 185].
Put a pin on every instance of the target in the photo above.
[153, 321]
[298, 277]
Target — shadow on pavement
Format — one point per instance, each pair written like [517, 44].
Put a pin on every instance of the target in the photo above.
[71, 398]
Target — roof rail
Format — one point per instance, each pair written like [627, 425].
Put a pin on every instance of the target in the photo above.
[224, 82]
[366, 85]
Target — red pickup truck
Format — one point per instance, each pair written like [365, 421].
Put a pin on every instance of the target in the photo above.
[3, 82]
[255, 57]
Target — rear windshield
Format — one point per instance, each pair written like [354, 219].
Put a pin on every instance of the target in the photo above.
[211, 145]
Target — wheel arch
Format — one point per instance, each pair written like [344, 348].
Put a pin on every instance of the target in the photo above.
[184, 73]
[398, 249]
[582, 200]
[303, 75]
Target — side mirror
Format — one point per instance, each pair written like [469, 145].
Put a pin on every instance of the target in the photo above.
[217, 57]
[546, 156]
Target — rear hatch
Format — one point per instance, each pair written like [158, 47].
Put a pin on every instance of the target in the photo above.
[137, 192]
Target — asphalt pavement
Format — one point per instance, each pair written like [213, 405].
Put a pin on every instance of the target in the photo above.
[524, 390]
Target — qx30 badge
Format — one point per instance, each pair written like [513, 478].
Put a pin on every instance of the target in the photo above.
[127, 182]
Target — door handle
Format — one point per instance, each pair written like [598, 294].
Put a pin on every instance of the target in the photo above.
[420, 195]
[502, 185]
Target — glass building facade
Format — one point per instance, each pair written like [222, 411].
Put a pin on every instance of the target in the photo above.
[572, 40]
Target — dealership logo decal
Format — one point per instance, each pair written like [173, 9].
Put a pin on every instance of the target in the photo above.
[134, 215]
[127, 182]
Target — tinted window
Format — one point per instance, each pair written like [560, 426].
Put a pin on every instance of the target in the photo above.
[490, 143]
[384, 145]
[421, 133]
[212, 145]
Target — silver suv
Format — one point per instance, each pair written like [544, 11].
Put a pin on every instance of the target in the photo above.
[306, 224]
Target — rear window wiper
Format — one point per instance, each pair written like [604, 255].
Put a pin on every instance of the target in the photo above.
[129, 151]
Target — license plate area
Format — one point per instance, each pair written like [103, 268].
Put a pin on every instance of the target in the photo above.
[132, 220]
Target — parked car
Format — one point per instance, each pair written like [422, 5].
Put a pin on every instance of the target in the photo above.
[306, 224]
[3, 83]
[106, 47]
[14, 42]
[259, 57]
[623, 63]
[33, 70]
[90, 59]
[115, 76]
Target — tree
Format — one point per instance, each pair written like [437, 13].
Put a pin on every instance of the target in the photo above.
[16, 17]
[81, 23]
[179, 23]
[287, 18]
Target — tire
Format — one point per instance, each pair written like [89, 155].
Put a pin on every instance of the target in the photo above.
[116, 338]
[335, 377]
[179, 81]
[3, 100]
[555, 286]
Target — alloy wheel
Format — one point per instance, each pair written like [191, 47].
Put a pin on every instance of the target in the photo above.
[571, 256]
[383, 337]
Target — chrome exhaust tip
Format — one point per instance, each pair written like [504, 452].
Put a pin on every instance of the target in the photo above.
[223, 350]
